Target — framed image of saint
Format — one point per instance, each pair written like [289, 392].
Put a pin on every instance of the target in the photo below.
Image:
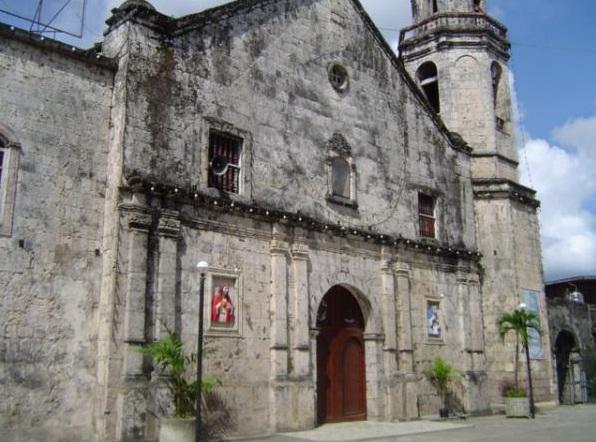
[223, 302]
[433, 322]
[222, 306]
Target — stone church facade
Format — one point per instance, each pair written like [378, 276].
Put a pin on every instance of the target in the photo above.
[360, 213]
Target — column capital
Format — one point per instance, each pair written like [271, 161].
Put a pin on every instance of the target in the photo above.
[377, 337]
[140, 221]
[300, 252]
[387, 267]
[277, 248]
[467, 277]
[403, 269]
[169, 224]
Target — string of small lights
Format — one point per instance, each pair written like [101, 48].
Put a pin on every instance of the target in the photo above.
[225, 205]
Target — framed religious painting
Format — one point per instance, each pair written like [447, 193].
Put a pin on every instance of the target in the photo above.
[433, 320]
[222, 302]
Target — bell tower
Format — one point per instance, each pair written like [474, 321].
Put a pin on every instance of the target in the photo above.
[458, 56]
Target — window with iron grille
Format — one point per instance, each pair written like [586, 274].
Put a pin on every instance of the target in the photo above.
[426, 215]
[225, 153]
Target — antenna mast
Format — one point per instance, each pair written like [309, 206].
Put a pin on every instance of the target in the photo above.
[47, 16]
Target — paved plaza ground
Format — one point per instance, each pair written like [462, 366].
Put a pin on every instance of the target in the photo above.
[563, 424]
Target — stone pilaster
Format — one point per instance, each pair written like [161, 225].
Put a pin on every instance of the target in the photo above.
[475, 399]
[300, 305]
[373, 344]
[279, 310]
[407, 392]
[136, 288]
[404, 327]
[131, 400]
[168, 230]
[390, 344]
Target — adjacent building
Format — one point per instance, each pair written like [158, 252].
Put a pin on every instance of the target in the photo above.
[571, 305]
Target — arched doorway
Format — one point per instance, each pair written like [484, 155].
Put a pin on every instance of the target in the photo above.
[565, 347]
[341, 380]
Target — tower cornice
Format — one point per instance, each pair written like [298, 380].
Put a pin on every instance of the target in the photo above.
[439, 27]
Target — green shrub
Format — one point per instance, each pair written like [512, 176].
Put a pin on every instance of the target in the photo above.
[439, 374]
[516, 393]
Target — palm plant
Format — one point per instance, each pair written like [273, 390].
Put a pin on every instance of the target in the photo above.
[439, 374]
[170, 359]
[520, 321]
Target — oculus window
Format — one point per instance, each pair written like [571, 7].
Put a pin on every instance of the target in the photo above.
[338, 77]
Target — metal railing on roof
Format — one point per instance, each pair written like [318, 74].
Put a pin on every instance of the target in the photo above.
[453, 21]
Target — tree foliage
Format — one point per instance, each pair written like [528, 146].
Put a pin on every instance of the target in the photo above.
[519, 321]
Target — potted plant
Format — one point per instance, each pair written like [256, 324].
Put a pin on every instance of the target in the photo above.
[171, 361]
[440, 373]
[519, 322]
[516, 400]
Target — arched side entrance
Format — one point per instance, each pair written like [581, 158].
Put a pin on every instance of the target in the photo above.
[566, 354]
[341, 377]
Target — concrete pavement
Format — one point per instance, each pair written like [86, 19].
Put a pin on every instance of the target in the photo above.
[563, 424]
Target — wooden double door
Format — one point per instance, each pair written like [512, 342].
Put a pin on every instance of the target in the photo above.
[341, 379]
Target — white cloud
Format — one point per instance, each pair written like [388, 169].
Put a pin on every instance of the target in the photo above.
[565, 180]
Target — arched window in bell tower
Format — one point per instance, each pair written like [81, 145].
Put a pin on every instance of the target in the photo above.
[478, 6]
[500, 101]
[428, 79]
[435, 6]
[496, 72]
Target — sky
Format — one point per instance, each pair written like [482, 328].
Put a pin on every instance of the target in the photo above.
[553, 68]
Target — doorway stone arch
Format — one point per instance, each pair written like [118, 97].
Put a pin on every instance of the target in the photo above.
[340, 356]
[568, 362]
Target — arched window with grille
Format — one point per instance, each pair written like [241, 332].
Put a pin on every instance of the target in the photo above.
[428, 79]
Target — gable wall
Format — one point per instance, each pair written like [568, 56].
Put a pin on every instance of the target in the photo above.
[266, 75]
